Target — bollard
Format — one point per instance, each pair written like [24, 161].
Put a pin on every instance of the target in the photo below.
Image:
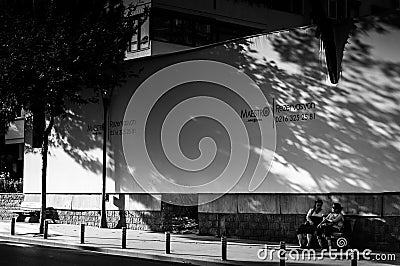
[223, 246]
[167, 243]
[46, 229]
[123, 237]
[13, 226]
[353, 258]
[82, 233]
[282, 253]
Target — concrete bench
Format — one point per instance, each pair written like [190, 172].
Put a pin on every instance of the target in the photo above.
[30, 212]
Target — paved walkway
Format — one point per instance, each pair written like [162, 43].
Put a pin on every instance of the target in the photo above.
[191, 249]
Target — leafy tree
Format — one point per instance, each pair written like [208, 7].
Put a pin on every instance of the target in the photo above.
[50, 50]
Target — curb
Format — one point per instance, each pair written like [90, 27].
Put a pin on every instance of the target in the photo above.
[116, 252]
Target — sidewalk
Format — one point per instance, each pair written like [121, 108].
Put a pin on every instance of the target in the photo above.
[189, 249]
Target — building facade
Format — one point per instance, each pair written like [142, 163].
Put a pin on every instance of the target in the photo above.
[343, 156]
[179, 25]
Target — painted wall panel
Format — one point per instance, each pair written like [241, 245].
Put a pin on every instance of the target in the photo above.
[391, 205]
[269, 203]
[225, 204]
[254, 115]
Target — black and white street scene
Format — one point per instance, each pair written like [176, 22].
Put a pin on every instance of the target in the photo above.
[212, 132]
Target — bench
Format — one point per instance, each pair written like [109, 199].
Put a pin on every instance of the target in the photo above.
[346, 233]
[30, 212]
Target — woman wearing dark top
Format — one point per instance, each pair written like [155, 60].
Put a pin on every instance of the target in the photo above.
[313, 218]
[332, 223]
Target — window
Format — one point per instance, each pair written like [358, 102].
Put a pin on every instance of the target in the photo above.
[332, 9]
[161, 28]
[290, 6]
[182, 31]
[140, 40]
[227, 31]
[179, 28]
[203, 34]
[338, 9]
[297, 7]
[168, 26]
[133, 44]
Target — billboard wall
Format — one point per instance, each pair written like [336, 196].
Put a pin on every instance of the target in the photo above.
[253, 115]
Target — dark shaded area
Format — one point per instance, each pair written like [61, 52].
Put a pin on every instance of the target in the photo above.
[376, 233]
[32, 216]
[177, 218]
[11, 169]
[35, 255]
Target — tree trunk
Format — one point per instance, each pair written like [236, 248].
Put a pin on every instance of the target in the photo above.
[2, 143]
[45, 149]
[103, 212]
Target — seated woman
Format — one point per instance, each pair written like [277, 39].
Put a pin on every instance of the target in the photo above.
[313, 218]
[332, 223]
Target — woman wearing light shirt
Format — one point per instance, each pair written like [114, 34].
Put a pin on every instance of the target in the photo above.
[313, 218]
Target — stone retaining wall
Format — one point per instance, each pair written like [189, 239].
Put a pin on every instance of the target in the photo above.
[132, 219]
[368, 232]
[271, 227]
[135, 220]
[269, 217]
[275, 217]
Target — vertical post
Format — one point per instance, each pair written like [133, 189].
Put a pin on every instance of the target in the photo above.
[13, 226]
[354, 258]
[2, 143]
[82, 233]
[223, 247]
[123, 237]
[167, 243]
[46, 229]
[282, 253]
[103, 218]
[43, 191]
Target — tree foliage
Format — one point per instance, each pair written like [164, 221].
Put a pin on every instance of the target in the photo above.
[52, 49]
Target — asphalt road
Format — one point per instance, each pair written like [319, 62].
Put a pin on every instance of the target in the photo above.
[13, 254]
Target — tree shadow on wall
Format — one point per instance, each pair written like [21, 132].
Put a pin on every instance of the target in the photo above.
[80, 133]
[355, 139]
[353, 145]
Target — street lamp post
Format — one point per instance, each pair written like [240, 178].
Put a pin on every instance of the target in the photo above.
[106, 102]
